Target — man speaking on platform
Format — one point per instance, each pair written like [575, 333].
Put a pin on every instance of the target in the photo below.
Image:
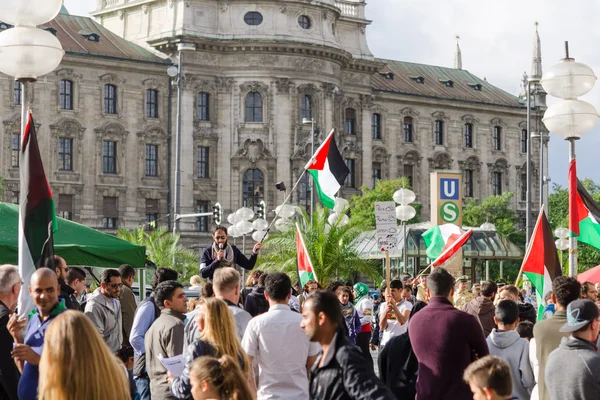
[222, 254]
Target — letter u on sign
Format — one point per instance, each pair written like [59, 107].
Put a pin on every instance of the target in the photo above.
[449, 189]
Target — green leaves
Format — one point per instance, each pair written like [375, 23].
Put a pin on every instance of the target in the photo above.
[330, 249]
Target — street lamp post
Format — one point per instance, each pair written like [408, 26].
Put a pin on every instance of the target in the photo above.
[570, 117]
[405, 212]
[528, 227]
[311, 121]
[562, 243]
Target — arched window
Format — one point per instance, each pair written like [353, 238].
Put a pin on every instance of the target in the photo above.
[306, 107]
[253, 188]
[254, 107]
[408, 130]
[469, 135]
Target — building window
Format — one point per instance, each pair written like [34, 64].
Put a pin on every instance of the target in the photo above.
[376, 126]
[110, 99]
[203, 114]
[151, 160]
[524, 141]
[151, 213]
[110, 213]
[253, 18]
[497, 183]
[16, 197]
[408, 172]
[152, 103]
[65, 154]
[497, 138]
[523, 187]
[350, 179]
[66, 94]
[304, 22]
[203, 162]
[376, 173]
[468, 183]
[109, 157]
[253, 188]
[439, 133]
[202, 222]
[408, 130]
[17, 93]
[306, 107]
[15, 150]
[350, 121]
[254, 107]
[304, 195]
[65, 206]
[469, 136]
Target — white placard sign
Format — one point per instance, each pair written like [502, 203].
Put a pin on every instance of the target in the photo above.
[386, 226]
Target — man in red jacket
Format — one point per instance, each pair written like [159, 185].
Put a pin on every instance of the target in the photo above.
[445, 341]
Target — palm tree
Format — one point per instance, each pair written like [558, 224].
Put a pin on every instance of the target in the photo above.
[330, 248]
[162, 248]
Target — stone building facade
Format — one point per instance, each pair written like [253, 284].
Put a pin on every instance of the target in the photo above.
[257, 69]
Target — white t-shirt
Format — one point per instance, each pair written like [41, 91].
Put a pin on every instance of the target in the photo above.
[281, 347]
[394, 328]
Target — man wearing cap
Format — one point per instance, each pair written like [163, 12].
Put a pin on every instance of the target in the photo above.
[462, 296]
[573, 369]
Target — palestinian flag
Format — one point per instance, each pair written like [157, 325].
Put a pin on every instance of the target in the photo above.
[37, 219]
[443, 241]
[541, 264]
[305, 268]
[584, 212]
[328, 169]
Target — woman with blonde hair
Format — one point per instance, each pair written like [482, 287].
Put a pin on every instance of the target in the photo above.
[77, 364]
[220, 379]
[217, 339]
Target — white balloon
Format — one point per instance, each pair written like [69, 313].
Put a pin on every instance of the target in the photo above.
[258, 236]
[341, 205]
[245, 214]
[260, 224]
[282, 224]
[333, 218]
[244, 227]
[232, 219]
[327, 228]
[344, 221]
[285, 211]
[233, 232]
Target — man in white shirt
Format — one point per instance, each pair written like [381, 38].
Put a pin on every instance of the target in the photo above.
[285, 354]
[394, 312]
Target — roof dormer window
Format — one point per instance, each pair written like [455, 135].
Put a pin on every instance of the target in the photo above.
[447, 82]
[4, 26]
[387, 75]
[418, 79]
[475, 86]
[90, 36]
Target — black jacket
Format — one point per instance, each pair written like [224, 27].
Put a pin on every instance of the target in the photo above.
[256, 303]
[398, 367]
[9, 374]
[346, 376]
[67, 293]
[208, 266]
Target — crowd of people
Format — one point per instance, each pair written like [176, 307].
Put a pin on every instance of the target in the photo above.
[268, 339]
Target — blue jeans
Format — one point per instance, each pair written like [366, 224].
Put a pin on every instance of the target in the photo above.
[143, 387]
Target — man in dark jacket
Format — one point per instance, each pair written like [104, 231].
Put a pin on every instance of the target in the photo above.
[341, 371]
[256, 302]
[10, 287]
[482, 307]
[445, 341]
[573, 370]
[128, 300]
[222, 254]
[67, 293]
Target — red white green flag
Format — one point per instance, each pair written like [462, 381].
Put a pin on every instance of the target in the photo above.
[541, 264]
[305, 268]
[584, 212]
[37, 218]
[443, 241]
[328, 170]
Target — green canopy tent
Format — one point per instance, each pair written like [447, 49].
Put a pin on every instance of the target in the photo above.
[76, 243]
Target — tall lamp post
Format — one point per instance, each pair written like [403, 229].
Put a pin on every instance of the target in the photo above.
[405, 212]
[311, 121]
[562, 243]
[570, 117]
[528, 227]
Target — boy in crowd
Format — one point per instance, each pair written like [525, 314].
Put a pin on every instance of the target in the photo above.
[349, 312]
[489, 379]
[506, 343]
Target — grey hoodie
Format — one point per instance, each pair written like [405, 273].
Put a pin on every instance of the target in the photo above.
[513, 349]
[106, 316]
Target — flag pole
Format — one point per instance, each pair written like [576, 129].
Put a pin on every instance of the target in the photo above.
[528, 249]
[287, 198]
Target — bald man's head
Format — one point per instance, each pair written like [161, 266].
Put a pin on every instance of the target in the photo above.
[44, 290]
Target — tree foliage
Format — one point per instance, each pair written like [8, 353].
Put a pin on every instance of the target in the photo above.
[330, 249]
[362, 206]
[558, 216]
[161, 246]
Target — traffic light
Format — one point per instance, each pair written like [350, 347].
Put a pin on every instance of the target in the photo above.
[217, 213]
[262, 210]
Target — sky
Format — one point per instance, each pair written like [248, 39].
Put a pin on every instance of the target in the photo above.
[496, 39]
